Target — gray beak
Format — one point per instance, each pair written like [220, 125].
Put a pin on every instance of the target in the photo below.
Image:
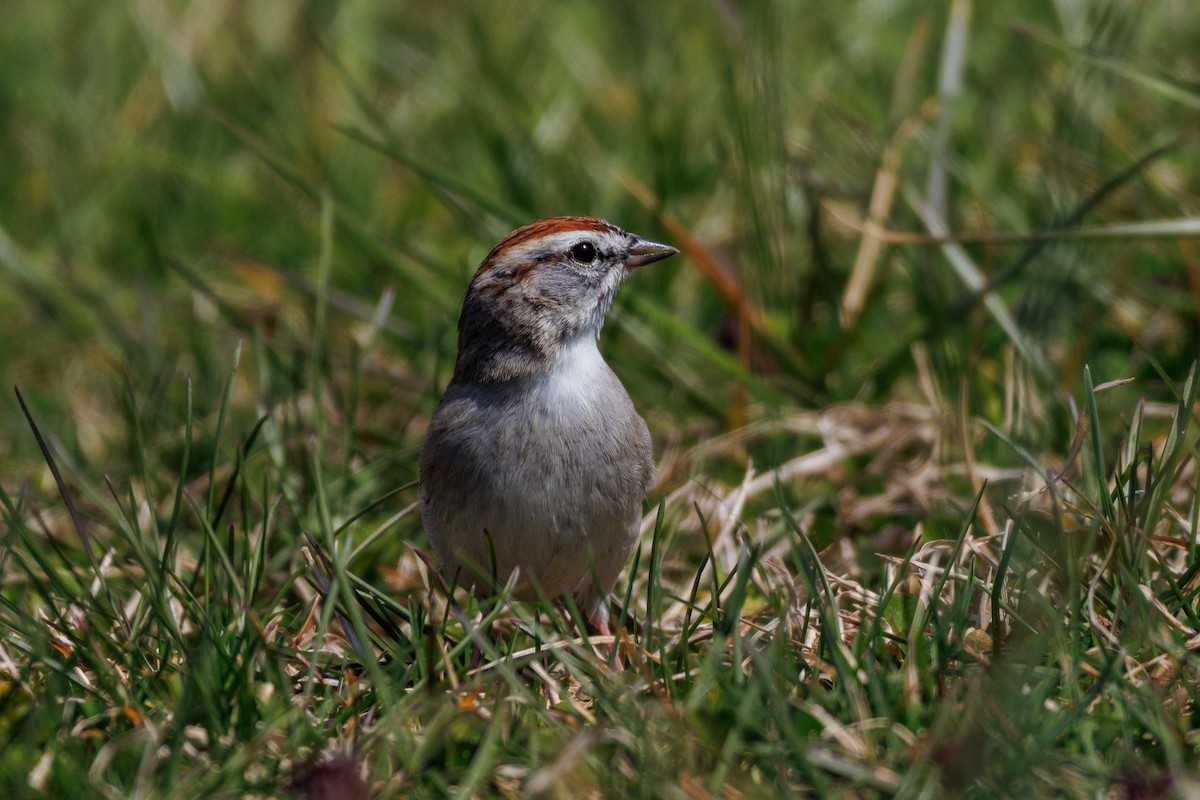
[645, 252]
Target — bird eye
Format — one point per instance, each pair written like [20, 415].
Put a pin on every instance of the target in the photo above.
[584, 252]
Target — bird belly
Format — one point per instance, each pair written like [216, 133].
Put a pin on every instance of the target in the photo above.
[542, 488]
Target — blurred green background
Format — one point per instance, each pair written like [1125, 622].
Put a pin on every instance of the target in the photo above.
[166, 167]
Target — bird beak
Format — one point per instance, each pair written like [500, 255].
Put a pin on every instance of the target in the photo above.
[646, 252]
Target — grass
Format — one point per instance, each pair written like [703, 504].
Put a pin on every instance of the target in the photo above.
[922, 387]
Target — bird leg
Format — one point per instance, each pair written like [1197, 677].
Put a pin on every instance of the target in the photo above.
[598, 623]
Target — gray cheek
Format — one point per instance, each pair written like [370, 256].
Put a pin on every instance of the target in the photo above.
[566, 286]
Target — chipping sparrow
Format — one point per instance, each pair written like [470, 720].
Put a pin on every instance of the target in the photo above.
[536, 445]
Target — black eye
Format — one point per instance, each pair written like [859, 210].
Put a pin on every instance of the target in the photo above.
[584, 252]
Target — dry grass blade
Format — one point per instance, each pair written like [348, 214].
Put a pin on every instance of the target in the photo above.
[709, 263]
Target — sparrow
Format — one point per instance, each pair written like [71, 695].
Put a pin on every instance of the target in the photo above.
[536, 462]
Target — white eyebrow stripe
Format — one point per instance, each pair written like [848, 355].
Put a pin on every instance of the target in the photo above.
[560, 241]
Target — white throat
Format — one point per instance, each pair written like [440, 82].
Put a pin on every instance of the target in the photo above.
[578, 369]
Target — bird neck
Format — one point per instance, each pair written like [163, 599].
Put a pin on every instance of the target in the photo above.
[489, 354]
